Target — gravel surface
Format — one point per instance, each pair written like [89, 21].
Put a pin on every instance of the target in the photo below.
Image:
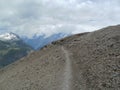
[87, 61]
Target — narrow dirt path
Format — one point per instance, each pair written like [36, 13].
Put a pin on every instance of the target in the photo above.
[67, 71]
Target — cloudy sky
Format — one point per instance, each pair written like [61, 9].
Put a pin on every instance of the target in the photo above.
[29, 17]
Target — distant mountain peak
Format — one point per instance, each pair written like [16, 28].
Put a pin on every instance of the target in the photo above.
[39, 41]
[9, 36]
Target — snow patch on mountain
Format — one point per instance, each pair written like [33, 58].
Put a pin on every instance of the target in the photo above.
[9, 36]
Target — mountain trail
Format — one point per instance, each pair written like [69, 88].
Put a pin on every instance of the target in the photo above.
[67, 72]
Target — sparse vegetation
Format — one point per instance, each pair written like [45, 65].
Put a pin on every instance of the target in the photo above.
[11, 51]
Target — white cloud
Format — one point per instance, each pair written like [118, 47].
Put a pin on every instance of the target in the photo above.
[27, 17]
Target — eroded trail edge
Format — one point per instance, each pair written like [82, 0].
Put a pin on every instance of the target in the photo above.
[67, 71]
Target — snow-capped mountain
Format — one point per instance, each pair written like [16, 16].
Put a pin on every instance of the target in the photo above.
[12, 48]
[9, 36]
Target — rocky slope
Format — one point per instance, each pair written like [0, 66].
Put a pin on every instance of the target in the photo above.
[88, 61]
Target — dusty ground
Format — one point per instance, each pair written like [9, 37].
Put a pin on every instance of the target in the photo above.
[89, 61]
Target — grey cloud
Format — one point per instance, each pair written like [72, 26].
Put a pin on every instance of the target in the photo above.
[27, 17]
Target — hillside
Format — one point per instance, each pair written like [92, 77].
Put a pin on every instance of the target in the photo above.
[12, 48]
[87, 61]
